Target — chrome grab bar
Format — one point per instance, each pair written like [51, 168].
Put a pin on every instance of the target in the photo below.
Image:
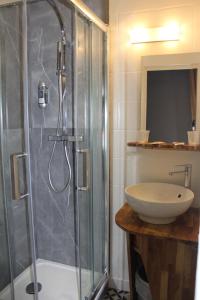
[86, 170]
[16, 177]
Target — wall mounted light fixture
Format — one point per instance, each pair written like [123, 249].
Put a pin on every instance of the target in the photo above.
[169, 32]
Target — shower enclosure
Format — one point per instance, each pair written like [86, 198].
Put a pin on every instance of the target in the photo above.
[54, 242]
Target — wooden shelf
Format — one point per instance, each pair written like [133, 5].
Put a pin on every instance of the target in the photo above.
[164, 146]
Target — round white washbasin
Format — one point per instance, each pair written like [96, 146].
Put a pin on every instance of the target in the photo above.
[159, 203]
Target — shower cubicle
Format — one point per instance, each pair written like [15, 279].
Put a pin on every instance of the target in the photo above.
[54, 173]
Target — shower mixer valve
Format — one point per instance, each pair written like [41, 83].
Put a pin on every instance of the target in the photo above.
[65, 138]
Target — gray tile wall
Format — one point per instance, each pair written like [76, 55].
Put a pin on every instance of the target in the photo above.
[54, 213]
[18, 210]
[10, 31]
[11, 88]
[4, 263]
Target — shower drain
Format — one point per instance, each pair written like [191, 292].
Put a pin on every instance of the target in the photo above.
[30, 288]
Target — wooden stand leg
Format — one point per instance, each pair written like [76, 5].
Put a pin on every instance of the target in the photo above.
[131, 265]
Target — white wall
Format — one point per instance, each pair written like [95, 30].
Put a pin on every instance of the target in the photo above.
[129, 165]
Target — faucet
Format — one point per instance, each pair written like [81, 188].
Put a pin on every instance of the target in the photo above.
[187, 171]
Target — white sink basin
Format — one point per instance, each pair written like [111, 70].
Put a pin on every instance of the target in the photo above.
[159, 203]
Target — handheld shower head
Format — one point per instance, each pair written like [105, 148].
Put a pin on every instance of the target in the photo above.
[61, 44]
[61, 49]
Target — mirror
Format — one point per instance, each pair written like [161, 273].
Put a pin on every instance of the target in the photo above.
[171, 104]
[170, 97]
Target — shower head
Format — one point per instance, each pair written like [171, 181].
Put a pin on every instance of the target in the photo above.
[61, 45]
[61, 49]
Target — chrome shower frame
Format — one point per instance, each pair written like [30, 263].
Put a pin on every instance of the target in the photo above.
[27, 147]
[81, 9]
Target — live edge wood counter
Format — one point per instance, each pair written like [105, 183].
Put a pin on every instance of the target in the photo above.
[169, 253]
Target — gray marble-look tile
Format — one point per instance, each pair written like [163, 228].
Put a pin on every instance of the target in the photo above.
[18, 216]
[43, 37]
[54, 212]
[17, 210]
[11, 58]
[4, 261]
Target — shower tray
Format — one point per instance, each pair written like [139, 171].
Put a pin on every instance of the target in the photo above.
[59, 282]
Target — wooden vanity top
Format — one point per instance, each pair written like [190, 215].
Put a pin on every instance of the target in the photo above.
[185, 228]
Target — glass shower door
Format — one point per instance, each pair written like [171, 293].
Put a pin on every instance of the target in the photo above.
[98, 157]
[15, 200]
[90, 115]
[5, 270]
[83, 156]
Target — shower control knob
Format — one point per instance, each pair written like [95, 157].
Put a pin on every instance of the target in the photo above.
[43, 94]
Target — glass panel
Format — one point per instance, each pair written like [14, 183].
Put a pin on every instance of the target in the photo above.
[54, 211]
[97, 145]
[90, 114]
[5, 276]
[12, 144]
[4, 254]
[82, 106]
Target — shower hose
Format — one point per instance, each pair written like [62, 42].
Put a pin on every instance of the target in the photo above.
[59, 132]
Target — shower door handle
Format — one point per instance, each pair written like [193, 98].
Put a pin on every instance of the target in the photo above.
[17, 195]
[86, 170]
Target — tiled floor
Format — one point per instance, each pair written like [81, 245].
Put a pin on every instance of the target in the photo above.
[113, 294]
